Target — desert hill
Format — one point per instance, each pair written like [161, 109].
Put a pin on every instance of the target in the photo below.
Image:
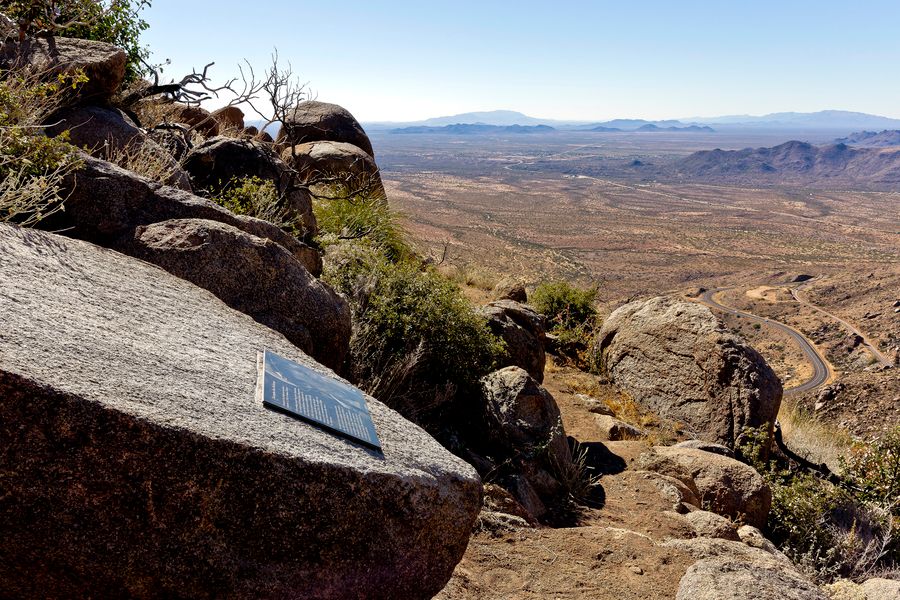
[879, 139]
[795, 162]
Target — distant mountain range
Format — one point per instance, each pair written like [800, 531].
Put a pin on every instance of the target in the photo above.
[795, 162]
[825, 119]
[880, 139]
[828, 120]
[474, 129]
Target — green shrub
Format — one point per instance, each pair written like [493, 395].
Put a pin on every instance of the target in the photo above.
[829, 531]
[416, 341]
[115, 22]
[255, 197]
[361, 218]
[566, 306]
[32, 166]
[875, 470]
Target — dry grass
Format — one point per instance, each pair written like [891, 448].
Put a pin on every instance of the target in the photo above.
[143, 159]
[811, 438]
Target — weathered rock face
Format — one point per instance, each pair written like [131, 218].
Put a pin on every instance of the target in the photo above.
[728, 487]
[137, 463]
[339, 165]
[219, 160]
[105, 204]
[724, 578]
[195, 117]
[511, 291]
[255, 276]
[104, 64]
[229, 118]
[711, 525]
[105, 130]
[315, 121]
[612, 429]
[676, 359]
[525, 427]
[522, 328]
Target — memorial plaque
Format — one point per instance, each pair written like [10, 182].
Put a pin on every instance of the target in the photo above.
[302, 392]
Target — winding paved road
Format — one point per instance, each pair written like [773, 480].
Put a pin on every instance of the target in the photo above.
[821, 369]
[865, 340]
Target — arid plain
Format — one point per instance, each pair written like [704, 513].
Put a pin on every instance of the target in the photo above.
[604, 209]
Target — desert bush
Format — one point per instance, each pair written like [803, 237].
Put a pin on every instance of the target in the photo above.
[115, 22]
[417, 343]
[565, 306]
[32, 166]
[361, 218]
[874, 470]
[144, 159]
[829, 531]
[255, 197]
[571, 318]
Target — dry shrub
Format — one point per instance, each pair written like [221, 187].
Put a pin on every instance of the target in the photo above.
[811, 438]
[146, 160]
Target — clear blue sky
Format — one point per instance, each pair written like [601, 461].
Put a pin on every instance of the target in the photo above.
[405, 60]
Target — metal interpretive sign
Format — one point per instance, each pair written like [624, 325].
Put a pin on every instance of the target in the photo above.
[302, 392]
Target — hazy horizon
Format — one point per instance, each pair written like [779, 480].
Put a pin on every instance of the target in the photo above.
[582, 61]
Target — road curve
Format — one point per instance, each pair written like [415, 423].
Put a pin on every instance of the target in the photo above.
[821, 369]
[881, 358]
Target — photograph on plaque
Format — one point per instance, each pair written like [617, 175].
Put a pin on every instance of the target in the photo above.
[295, 389]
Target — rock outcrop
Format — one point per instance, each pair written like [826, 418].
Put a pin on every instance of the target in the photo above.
[229, 118]
[105, 131]
[522, 329]
[525, 429]
[255, 276]
[103, 64]
[676, 359]
[217, 162]
[724, 485]
[314, 121]
[105, 204]
[137, 463]
[728, 570]
[336, 169]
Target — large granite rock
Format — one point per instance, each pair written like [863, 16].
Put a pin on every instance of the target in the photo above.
[525, 431]
[137, 463]
[105, 131]
[724, 485]
[255, 276]
[218, 161]
[676, 359]
[729, 570]
[104, 64]
[724, 578]
[522, 329]
[340, 164]
[314, 121]
[105, 204]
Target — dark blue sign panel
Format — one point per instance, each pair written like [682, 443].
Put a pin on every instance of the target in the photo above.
[300, 391]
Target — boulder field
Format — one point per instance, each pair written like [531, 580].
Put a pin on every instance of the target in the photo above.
[137, 461]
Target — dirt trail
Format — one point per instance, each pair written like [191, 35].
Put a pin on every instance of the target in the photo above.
[612, 553]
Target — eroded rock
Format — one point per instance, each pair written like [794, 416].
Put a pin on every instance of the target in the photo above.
[103, 64]
[137, 463]
[218, 162]
[106, 131]
[726, 486]
[676, 359]
[314, 121]
[105, 204]
[522, 329]
[255, 276]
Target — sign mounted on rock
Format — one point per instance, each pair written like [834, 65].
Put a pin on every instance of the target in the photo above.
[299, 391]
